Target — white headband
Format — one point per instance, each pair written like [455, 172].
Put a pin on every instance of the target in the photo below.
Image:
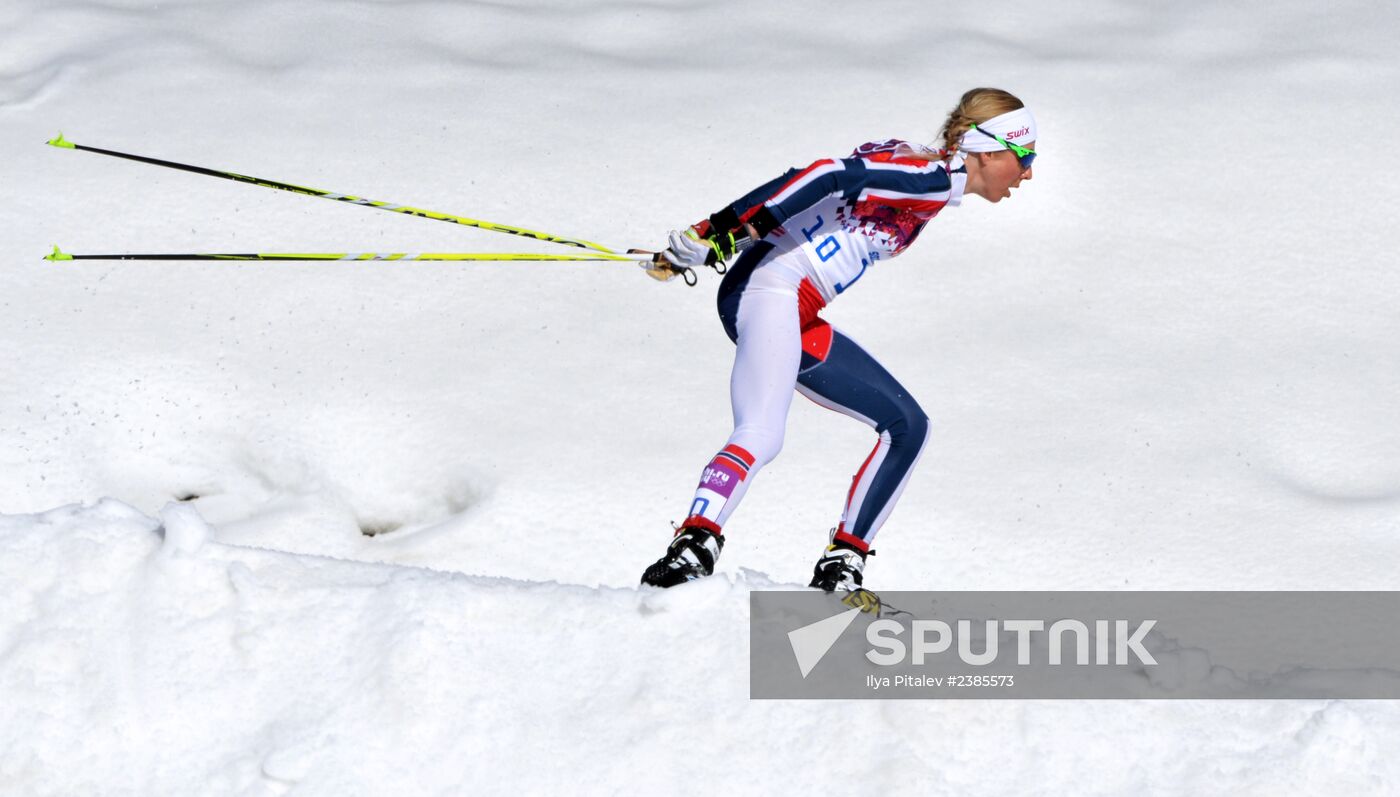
[1017, 126]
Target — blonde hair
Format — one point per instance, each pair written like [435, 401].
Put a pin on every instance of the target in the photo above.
[975, 107]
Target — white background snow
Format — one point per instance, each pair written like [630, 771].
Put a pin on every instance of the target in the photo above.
[1170, 361]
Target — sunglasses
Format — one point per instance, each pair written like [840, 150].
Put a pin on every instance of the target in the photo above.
[1023, 155]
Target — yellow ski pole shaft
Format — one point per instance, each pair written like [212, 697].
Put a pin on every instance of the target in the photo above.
[63, 143]
[647, 261]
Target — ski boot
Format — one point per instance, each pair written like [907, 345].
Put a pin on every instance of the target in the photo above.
[691, 555]
[841, 568]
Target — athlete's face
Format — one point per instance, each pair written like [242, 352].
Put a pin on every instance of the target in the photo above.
[998, 173]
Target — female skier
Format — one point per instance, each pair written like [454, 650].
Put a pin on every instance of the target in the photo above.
[805, 238]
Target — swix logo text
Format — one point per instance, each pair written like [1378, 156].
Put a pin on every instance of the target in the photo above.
[1018, 133]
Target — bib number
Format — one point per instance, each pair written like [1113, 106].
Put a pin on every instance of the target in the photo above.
[829, 246]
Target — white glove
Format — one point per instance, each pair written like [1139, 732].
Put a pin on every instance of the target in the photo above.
[687, 249]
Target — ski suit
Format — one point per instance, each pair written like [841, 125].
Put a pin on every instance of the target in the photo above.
[821, 229]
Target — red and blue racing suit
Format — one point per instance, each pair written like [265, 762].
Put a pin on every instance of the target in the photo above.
[820, 230]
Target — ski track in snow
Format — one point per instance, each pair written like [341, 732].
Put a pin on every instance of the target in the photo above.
[1168, 363]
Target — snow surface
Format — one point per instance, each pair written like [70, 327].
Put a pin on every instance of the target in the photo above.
[1169, 362]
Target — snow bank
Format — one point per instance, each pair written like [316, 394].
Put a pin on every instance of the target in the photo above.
[132, 664]
[132, 667]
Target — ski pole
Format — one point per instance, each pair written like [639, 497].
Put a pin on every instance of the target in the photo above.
[63, 143]
[641, 259]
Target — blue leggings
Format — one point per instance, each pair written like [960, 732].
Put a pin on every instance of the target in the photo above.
[770, 308]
